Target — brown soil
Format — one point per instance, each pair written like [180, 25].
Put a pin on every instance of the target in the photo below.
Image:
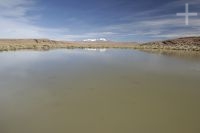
[186, 44]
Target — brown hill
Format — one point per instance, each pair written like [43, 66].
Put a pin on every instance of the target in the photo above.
[45, 44]
[186, 43]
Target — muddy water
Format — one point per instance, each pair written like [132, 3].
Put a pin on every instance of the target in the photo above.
[113, 91]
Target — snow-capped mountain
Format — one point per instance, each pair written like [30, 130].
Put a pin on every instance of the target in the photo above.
[95, 40]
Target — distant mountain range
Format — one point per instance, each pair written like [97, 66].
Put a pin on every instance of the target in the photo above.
[186, 43]
[95, 40]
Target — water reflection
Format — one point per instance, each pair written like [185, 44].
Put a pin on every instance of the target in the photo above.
[176, 53]
[93, 92]
[95, 49]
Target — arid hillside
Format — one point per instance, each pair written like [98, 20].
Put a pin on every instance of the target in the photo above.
[45, 44]
[187, 44]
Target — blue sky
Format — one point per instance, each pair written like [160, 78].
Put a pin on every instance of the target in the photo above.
[117, 20]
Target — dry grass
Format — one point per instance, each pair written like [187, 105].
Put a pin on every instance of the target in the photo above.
[44, 44]
[186, 44]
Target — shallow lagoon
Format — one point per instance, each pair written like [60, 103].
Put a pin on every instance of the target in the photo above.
[113, 91]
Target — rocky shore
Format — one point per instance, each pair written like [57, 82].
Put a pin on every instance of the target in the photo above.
[45, 44]
[186, 44]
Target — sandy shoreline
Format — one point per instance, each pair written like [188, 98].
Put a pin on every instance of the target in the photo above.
[187, 44]
[44, 44]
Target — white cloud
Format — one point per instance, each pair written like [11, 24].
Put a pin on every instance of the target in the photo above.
[155, 25]
[14, 3]
[16, 23]
[15, 8]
